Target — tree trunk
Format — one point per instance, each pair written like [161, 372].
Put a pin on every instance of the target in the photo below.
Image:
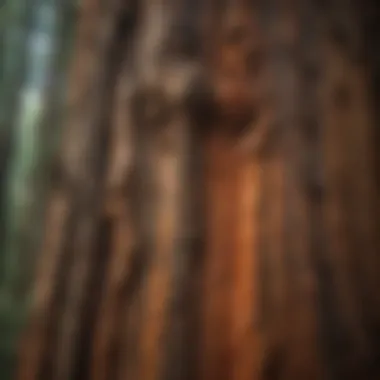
[215, 207]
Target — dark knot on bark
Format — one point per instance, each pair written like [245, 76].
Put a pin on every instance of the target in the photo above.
[223, 104]
[234, 103]
[200, 103]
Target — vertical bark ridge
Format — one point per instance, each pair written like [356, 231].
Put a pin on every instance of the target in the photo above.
[35, 342]
[117, 208]
[157, 286]
[272, 280]
[214, 276]
[245, 335]
[313, 182]
[83, 165]
[272, 277]
[346, 131]
[303, 357]
[346, 264]
[163, 78]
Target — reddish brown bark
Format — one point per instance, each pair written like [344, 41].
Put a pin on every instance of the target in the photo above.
[251, 265]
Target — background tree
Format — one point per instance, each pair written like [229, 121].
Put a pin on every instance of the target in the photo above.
[31, 107]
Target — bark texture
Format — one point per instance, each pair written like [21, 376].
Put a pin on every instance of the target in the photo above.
[215, 209]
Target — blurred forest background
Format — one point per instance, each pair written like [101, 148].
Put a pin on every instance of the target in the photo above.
[189, 189]
[36, 39]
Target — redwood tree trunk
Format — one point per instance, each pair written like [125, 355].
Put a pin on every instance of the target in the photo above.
[214, 215]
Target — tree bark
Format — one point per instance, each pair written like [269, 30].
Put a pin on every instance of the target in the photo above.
[215, 212]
